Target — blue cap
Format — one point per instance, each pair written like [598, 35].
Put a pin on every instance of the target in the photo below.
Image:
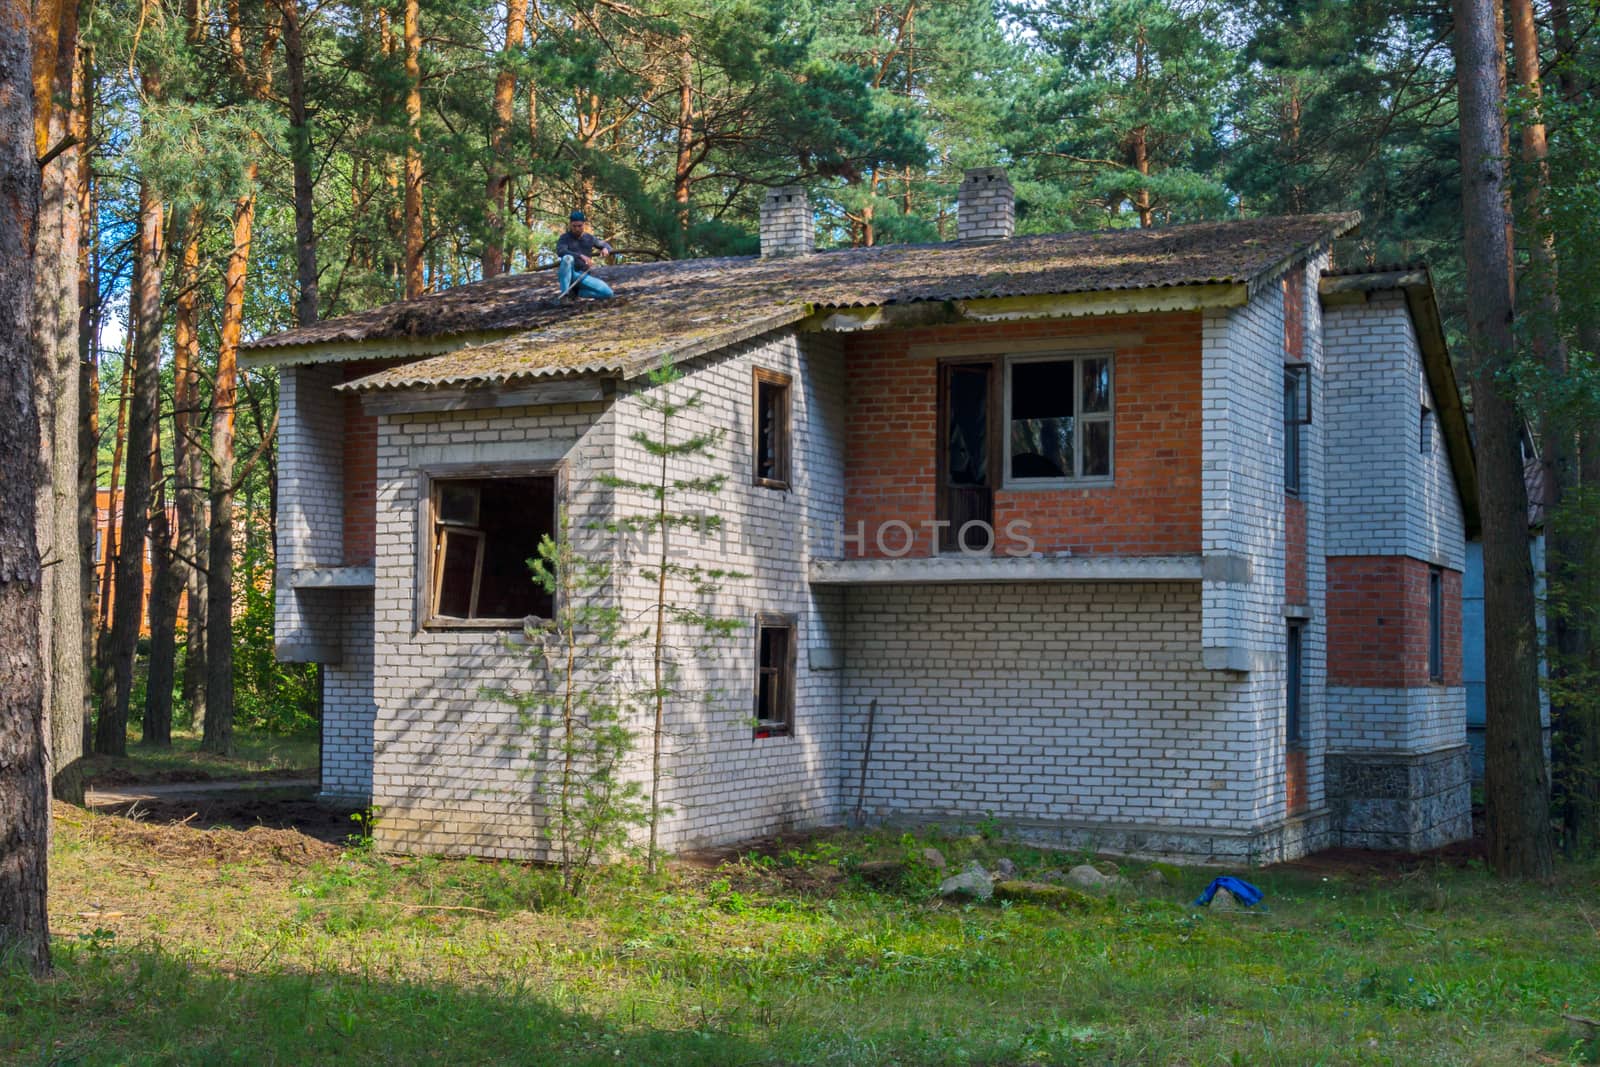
[577, 216]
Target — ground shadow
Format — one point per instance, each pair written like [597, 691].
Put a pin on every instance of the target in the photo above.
[294, 808]
[162, 1008]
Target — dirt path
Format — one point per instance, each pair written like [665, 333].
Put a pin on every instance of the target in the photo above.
[111, 796]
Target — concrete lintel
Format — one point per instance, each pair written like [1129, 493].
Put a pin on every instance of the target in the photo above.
[1005, 569]
[1237, 658]
[1229, 568]
[293, 651]
[507, 452]
[332, 578]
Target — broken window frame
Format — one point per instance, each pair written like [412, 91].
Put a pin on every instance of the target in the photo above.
[1079, 420]
[785, 672]
[430, 531]
[783, 385]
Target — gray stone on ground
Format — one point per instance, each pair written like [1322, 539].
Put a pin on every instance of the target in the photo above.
[1083, 876]
[1223, 900]
[1153, 878]
[1004, 868]
[972, 882]
[933, 858]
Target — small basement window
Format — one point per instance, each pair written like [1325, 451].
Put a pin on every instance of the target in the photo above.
[1058, 420]
[772, 429]
[775, 675]
[485, 530]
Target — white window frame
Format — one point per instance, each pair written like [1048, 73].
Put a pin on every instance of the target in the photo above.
[1078, 418]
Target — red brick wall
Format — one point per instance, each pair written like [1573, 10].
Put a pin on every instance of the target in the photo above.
[360, 472]
[1378, 622]
[1153, 507]
[1294, 314]
[1294, 768]
[1294, 571]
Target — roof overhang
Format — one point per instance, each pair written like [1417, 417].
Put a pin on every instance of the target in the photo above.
[1342, 290]
[1042, 306]
[380, 348]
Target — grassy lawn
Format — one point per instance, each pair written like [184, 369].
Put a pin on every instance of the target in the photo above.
[178, 945]
[254, 755]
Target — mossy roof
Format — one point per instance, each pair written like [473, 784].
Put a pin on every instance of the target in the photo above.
[688, 307]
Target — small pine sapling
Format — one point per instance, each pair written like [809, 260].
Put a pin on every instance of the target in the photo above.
[580, 710]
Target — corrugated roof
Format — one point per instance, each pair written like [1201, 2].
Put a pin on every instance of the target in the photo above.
[687, 306]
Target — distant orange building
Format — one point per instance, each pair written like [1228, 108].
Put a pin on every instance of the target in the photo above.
[107, 533]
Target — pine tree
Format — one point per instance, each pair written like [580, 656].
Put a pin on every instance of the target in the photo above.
[579, 714]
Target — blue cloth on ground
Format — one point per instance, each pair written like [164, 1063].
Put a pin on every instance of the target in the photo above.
[1246, 893]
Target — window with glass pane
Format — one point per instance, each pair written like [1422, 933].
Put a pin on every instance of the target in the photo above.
[1060, 412]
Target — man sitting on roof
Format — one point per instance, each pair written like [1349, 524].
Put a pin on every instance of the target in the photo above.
[575, 248]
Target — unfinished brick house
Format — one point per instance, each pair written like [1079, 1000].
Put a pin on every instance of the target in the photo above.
[1150, 539]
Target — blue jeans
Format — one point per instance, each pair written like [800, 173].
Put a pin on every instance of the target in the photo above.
[590, 286]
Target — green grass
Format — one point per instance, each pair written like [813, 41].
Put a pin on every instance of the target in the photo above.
[785, 959]
[254, 754]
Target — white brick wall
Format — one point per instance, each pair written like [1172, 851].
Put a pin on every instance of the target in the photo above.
[1414, 720]
[725, 785]
[347, 703]
[1243, 512]
[1081, 702]
[451, 765]
[311, 505]
[1386, 498]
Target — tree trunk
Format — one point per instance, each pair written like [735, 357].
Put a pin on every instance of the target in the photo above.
[166, 586]
[683, 169]
[1516, 782]
[55, 329]
[218, 734]
[24, 761]
[128, 602]
[83, 92]
[111, 547]
[505, 88]
[1564, 546]
[305, 235]
[187, 462]
[412, 30]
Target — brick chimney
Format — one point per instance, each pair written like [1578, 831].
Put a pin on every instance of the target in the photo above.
[986, 208]
[787, 228]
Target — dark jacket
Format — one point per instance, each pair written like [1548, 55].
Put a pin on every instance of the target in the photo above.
[580, 247]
